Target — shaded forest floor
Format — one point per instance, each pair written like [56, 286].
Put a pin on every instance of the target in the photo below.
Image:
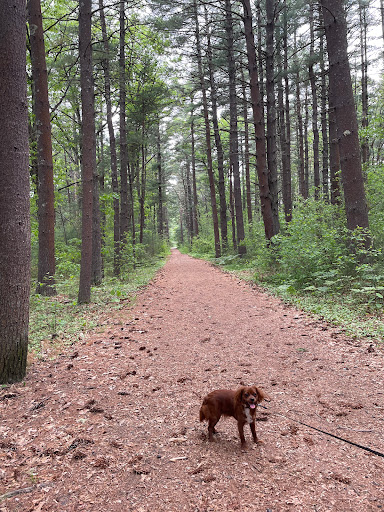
[112, 424]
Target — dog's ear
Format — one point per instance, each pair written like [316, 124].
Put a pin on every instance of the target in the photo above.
[239, 395]
[262, 395]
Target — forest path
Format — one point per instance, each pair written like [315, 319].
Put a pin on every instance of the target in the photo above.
[113, 424]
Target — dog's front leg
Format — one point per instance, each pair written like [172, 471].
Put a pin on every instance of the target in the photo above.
[253, 430]
[240, 426]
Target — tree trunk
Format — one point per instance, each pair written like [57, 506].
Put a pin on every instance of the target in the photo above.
[143, 186]
[160, 184]
[315, 129]
[97, 263]
[286, 171]
[271, 113]
[219, 146]
[300, 133]
[341, 91]
[287, 175]
[45, 189]
[246, 151]
[364, 79]
[207, 134]
[233, 131]
[15, 251]
[194, 185]
[334, 158]
[382, 25]
[88, 148]
[306, 146]
[124, 208]
[258, 119]
[112, 145]
[324, 124]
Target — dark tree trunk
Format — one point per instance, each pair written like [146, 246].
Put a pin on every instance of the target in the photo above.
[124, 208]
[160, 185]
[15, 238]
[341, 92]
[324, 124]
[258, 119]
[283, 145]
[46, 197]
[382, 24]
[287, 175]
[88, 161]
[364, 79]
[207, 134]
[194, 185]
[300, 134]
[246, 151]
[233, 131]
[219, 147]
[232, 212]
[271, 113]
[97, 263]
[315, 128]
[112, 145]
[143, 186]
[334, 158]
[306, 146]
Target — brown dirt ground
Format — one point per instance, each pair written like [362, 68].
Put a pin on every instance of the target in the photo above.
[112, 424]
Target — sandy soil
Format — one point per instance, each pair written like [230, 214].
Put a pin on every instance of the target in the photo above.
[112, 424]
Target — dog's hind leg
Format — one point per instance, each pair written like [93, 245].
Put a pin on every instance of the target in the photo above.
[211, 427]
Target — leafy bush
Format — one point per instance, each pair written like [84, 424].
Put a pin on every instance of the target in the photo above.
[313, 246]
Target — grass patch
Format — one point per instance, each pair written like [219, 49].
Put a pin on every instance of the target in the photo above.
[56, 322]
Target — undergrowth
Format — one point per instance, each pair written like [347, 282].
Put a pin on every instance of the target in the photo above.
[60, 321]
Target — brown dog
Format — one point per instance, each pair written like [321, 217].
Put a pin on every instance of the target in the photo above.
[241, 404]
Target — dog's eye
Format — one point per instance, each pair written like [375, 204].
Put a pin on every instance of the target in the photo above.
[246, 395]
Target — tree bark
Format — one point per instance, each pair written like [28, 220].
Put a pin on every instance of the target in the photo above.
[315, 128]
[160, 184]
[15, 239]
[341, 91]
[258, 119]
[207, 134]
[364, 79]
[246, 150]
[194, 185]
[233, 131]
[112, 145]
[124, 207]
[300, 133]
[324, 124]
[271, 114]
[219, 146]
[88, 148]
[45, 189]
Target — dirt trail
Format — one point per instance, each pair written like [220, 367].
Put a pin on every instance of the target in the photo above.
[112, 425]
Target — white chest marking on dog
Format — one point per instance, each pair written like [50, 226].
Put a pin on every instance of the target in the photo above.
[248, 416]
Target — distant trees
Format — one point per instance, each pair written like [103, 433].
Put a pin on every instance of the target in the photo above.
[14, 195]
[293, 150]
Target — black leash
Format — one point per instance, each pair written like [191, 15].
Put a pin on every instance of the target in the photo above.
[366, 448]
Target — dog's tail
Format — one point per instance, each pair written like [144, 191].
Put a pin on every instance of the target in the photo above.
[203, 416]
